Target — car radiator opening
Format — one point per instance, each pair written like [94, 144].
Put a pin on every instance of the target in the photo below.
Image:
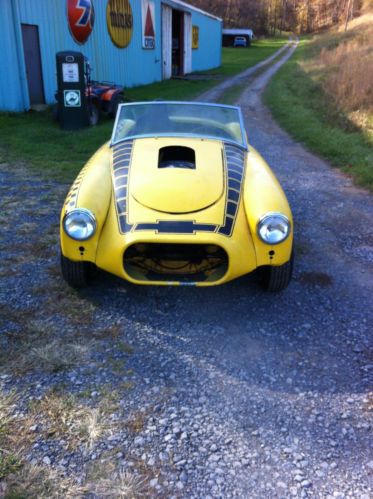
[175, 262]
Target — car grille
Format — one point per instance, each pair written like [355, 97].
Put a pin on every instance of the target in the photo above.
[175, 262]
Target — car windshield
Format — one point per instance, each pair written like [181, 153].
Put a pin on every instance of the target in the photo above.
[180, 119]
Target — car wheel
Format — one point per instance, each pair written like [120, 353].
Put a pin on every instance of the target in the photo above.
[76, 274]
[273, 278]
[93, 114]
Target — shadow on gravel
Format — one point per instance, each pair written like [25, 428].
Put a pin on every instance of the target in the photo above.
[263, 361]
[291, 342]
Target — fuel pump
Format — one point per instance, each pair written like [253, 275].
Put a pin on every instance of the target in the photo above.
[71, 90]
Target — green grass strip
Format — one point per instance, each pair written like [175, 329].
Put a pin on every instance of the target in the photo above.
[300, 106]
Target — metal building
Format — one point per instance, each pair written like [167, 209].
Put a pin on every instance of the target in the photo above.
[129, 42]
[230, 34]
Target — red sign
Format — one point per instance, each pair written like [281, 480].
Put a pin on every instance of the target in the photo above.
[148, 27]
[81, 17]
[149, 30]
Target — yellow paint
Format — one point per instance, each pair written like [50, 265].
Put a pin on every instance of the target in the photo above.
[94, 193]
[172, 190]
[119, 19]
[261, 193]
[195, 37]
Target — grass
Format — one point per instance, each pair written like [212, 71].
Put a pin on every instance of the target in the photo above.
[42, 483]
[236, 60]
[109, 481]
[60, 415]
[13, 435]
[35, 138]
[232, 95]
[234, 92]
[38, 347]
[9, 459]
[300, 102]
[63, 416]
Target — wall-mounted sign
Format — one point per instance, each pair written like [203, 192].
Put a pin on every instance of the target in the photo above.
[71, 98]
[81, 18]
[148, 24]
[119, 20]
[195, 37]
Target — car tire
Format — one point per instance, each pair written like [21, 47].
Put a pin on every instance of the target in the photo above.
[76, 274]
[93, 114]
[274, 278]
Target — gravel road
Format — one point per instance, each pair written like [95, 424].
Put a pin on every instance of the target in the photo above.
[227, 391]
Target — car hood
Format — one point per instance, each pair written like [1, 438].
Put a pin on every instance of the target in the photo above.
[178, 186]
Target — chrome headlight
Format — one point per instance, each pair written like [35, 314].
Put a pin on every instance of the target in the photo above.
[273, 228]
[79, 224]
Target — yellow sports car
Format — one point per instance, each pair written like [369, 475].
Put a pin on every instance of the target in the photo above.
[177, 197]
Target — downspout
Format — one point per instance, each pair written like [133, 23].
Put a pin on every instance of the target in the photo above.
[20, 55]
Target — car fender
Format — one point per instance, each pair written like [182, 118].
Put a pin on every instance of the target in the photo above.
[263, 194]
[91, 190]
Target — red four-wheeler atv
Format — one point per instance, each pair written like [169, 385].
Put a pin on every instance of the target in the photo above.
[101, 96]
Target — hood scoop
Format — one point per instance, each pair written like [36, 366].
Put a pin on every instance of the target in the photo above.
[171, 177]
[177, 157]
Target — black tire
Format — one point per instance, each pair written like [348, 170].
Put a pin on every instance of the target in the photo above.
[276, 279]
[76, 274]
[93, 114]
[118, 99]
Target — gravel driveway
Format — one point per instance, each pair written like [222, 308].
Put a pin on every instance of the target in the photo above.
[220, 392]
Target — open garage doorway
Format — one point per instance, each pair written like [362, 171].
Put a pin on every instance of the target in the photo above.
[176, 42]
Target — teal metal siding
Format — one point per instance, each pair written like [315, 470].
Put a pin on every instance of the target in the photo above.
[208, 54]
[130, 66]
[13, 84]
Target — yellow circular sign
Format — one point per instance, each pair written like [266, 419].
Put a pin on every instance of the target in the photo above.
[119, 20]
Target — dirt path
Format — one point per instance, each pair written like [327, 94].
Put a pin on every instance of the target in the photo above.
[214, 94]
[332, 215]
[221, 392]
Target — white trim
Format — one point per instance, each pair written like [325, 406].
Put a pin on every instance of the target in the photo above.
[186, 6]
[248, 32]
[166, 23]
[187, 42]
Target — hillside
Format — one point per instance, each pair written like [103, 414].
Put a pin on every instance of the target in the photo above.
[270, 16]
[341, 63]
[324, 96]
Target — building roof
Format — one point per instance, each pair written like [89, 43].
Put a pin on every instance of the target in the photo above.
[187, 6]
[247, 32]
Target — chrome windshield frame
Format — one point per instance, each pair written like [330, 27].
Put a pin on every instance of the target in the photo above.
[243, 145]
